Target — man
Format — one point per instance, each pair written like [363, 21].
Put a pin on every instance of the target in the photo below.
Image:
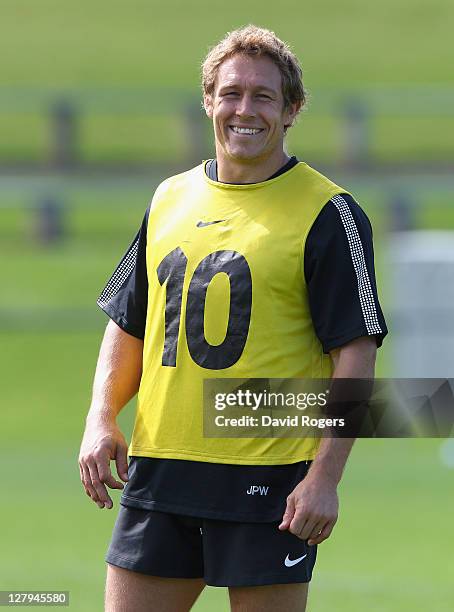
[252, 265]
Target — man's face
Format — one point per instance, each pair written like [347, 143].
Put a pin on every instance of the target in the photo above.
[247, 109]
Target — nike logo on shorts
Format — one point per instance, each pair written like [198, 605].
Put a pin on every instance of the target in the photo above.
[291, 562]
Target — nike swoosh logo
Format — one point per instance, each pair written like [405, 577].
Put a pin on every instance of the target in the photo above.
[291, 563]
[205, 223]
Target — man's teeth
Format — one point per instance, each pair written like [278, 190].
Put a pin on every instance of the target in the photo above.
[239, 130]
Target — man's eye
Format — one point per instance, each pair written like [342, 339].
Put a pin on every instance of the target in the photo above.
[230, 94]
[264, 96]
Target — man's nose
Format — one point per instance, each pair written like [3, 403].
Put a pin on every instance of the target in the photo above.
[245, 106]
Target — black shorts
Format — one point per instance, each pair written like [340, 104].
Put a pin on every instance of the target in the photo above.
[223, 553]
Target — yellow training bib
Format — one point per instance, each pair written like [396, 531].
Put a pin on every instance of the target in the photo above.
[227, 299]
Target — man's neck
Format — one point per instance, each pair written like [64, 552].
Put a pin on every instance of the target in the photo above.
[230, 171]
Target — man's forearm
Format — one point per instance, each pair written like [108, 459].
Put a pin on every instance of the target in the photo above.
[312, 507]
[331, 459]
[116, 381]
[355, 360]
[118, 374]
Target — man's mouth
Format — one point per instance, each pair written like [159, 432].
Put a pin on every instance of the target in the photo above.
[243, 130]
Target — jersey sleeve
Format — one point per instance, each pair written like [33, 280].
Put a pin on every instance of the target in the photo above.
[125, 297]
[340, 275]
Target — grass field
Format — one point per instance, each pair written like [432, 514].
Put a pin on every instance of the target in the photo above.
[109, 43]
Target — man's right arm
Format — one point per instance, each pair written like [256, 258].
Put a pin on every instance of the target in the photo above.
[117, 379]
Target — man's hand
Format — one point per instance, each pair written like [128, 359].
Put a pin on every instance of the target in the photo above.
[116, 381]
[101, 444]
[312, 509]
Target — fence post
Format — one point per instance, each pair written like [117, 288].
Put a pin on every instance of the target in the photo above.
[63, 154]
[402, 212]
[355, 143]
[49, 226]
[196, 131]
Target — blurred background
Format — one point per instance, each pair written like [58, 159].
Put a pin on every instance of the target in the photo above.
[99, 101]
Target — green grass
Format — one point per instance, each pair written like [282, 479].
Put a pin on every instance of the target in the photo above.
[389, 551]
[129, 68]
[108, 43]
[133, 138]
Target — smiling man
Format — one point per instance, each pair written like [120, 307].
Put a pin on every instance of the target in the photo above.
[250, 117]
[251, 265]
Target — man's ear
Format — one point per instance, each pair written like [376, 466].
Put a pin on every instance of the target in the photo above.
[208, 105]
[291, 113]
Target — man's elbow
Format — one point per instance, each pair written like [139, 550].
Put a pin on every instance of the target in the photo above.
[356, 359]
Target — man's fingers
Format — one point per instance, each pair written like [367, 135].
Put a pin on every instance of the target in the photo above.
[99, 447]
[105, 474]
[288, 514]
[89, 489]
[81, 472]
[308, 528]
[299, 522]
[121, 462]
[315, 531]
[99, 486]
[323, 535]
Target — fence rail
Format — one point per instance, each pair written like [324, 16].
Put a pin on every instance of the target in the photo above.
[381, 98]
[403, 113]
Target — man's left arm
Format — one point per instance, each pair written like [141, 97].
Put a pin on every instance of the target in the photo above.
[312, 507]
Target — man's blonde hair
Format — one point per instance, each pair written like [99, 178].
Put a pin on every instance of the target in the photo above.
[252, 40]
